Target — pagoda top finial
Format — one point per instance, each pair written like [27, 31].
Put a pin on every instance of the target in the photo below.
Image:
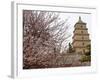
[79, 17]
[80, 21]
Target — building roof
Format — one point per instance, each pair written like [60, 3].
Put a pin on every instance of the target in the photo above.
[80, 21]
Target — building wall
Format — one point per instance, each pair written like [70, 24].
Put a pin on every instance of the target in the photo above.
[81, 37]
[81, 43]
[81, 31]
[81, 50]
[80, 26]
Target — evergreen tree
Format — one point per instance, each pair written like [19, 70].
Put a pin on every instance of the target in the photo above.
[70, 48]
[87, 56]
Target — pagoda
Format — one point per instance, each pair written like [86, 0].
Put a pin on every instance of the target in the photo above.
[81, 37]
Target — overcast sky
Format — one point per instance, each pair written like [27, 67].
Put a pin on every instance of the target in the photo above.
[73, 18]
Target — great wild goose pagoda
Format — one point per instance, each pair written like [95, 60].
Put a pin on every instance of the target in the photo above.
[80, 37]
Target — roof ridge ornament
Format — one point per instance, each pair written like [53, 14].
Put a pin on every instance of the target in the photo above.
[80, 21]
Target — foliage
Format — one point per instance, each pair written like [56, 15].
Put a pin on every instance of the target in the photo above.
[87, 55]
[85, 58]
[43, 37]
[70, 49]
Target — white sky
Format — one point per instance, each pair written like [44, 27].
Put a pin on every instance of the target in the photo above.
[73, 18]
